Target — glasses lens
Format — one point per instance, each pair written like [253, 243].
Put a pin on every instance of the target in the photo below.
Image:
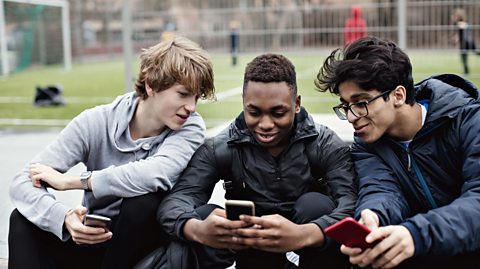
[359, 109]
[340, 111]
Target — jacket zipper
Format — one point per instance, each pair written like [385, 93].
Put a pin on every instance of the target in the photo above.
[423, 182]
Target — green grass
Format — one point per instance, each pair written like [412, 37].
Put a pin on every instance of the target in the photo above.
[103, 81]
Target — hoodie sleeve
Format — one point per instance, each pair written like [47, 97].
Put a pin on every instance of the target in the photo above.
[157, 172]
[38, 205]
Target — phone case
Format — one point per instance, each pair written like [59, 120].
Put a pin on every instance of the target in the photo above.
[97, 221]
[235, 208]
[350, 233]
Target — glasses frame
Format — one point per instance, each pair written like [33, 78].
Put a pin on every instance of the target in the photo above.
[343, 116]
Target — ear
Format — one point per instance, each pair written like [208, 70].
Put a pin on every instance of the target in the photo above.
[399, 96]
[298, 102]
[149, 90]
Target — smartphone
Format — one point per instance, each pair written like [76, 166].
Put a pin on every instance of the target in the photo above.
[97, 221]
[350, 233]
[235, 208]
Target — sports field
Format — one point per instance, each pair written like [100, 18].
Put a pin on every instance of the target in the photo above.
[93, 83]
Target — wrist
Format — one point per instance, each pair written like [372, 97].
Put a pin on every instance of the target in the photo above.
[191, 230]
[312, 234]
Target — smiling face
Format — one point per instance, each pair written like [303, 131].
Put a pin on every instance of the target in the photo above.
[381, 112]
[269, 110]
[171, 107]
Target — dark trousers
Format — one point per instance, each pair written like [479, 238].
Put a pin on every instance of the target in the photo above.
[308, 207]
[135, 233]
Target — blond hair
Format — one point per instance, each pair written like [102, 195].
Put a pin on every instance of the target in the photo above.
[177, 60]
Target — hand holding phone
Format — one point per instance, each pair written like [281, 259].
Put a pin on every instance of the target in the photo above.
[235, 208]
[97, 221]
[350, 233]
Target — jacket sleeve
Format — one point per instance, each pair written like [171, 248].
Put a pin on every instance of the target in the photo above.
[192, 190]
[454, 228]
[161, 169]
[335, 160]
[379, 189]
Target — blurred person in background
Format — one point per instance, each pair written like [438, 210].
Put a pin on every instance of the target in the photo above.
[134, 150]
[464, 38]
[355, 26]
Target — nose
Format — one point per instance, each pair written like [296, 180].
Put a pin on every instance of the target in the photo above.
[191, 104]
[266, 123]
[350, 117]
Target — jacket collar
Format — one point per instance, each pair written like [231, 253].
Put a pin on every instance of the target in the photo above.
[447, 94]
[303, 126]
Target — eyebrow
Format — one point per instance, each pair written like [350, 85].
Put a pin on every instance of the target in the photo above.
[272, 108]
[357, 96]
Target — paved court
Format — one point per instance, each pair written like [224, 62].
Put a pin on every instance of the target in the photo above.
[18, 147]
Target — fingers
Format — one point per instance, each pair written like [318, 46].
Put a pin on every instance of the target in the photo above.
[90, 235]
[369, 219]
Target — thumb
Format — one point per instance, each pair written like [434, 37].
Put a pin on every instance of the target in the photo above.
[80, 210]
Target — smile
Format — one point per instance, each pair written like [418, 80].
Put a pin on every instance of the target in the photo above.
[265, 138]
[360, 129]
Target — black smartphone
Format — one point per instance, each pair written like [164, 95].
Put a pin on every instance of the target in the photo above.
[97, 221]
[235, 208]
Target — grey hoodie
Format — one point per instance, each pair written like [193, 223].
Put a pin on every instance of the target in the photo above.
[100, 138]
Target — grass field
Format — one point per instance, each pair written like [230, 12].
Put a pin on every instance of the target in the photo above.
[90, 84]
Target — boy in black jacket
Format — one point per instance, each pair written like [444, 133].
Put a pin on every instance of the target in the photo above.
[274, 155]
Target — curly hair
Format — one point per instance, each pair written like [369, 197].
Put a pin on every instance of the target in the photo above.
[271, 67]
[369, 62]
[177, 60]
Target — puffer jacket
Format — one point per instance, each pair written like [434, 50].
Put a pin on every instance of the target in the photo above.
[273, 184]
[432, 187]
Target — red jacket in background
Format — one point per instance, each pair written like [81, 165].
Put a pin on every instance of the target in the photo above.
[355, 26]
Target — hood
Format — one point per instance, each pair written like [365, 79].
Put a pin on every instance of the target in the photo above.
[356, 12]
[447, 94]
[119, 119]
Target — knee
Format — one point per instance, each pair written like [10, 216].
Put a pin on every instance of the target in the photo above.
[19, 225]
[312, 205]
[137, 210]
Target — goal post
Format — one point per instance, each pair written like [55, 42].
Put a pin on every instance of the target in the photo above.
[28, 32]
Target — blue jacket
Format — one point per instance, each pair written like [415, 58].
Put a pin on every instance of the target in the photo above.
[433, 186]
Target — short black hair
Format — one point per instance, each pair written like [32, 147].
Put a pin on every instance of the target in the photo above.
[371, 63]
[271, 67]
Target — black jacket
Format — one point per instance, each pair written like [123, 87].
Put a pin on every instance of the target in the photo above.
[274, 184]
[433, 186]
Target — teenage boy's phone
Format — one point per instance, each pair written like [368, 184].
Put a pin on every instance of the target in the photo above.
[235, 208]
[97, 221]
[350, 233]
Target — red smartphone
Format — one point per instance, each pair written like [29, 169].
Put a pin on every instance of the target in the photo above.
[350, 233]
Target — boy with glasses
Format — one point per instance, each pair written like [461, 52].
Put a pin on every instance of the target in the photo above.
[417, 156]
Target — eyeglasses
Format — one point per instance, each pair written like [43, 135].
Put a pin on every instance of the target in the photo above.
[358, 110]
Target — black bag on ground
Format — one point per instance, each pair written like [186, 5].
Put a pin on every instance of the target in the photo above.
[50, 96]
